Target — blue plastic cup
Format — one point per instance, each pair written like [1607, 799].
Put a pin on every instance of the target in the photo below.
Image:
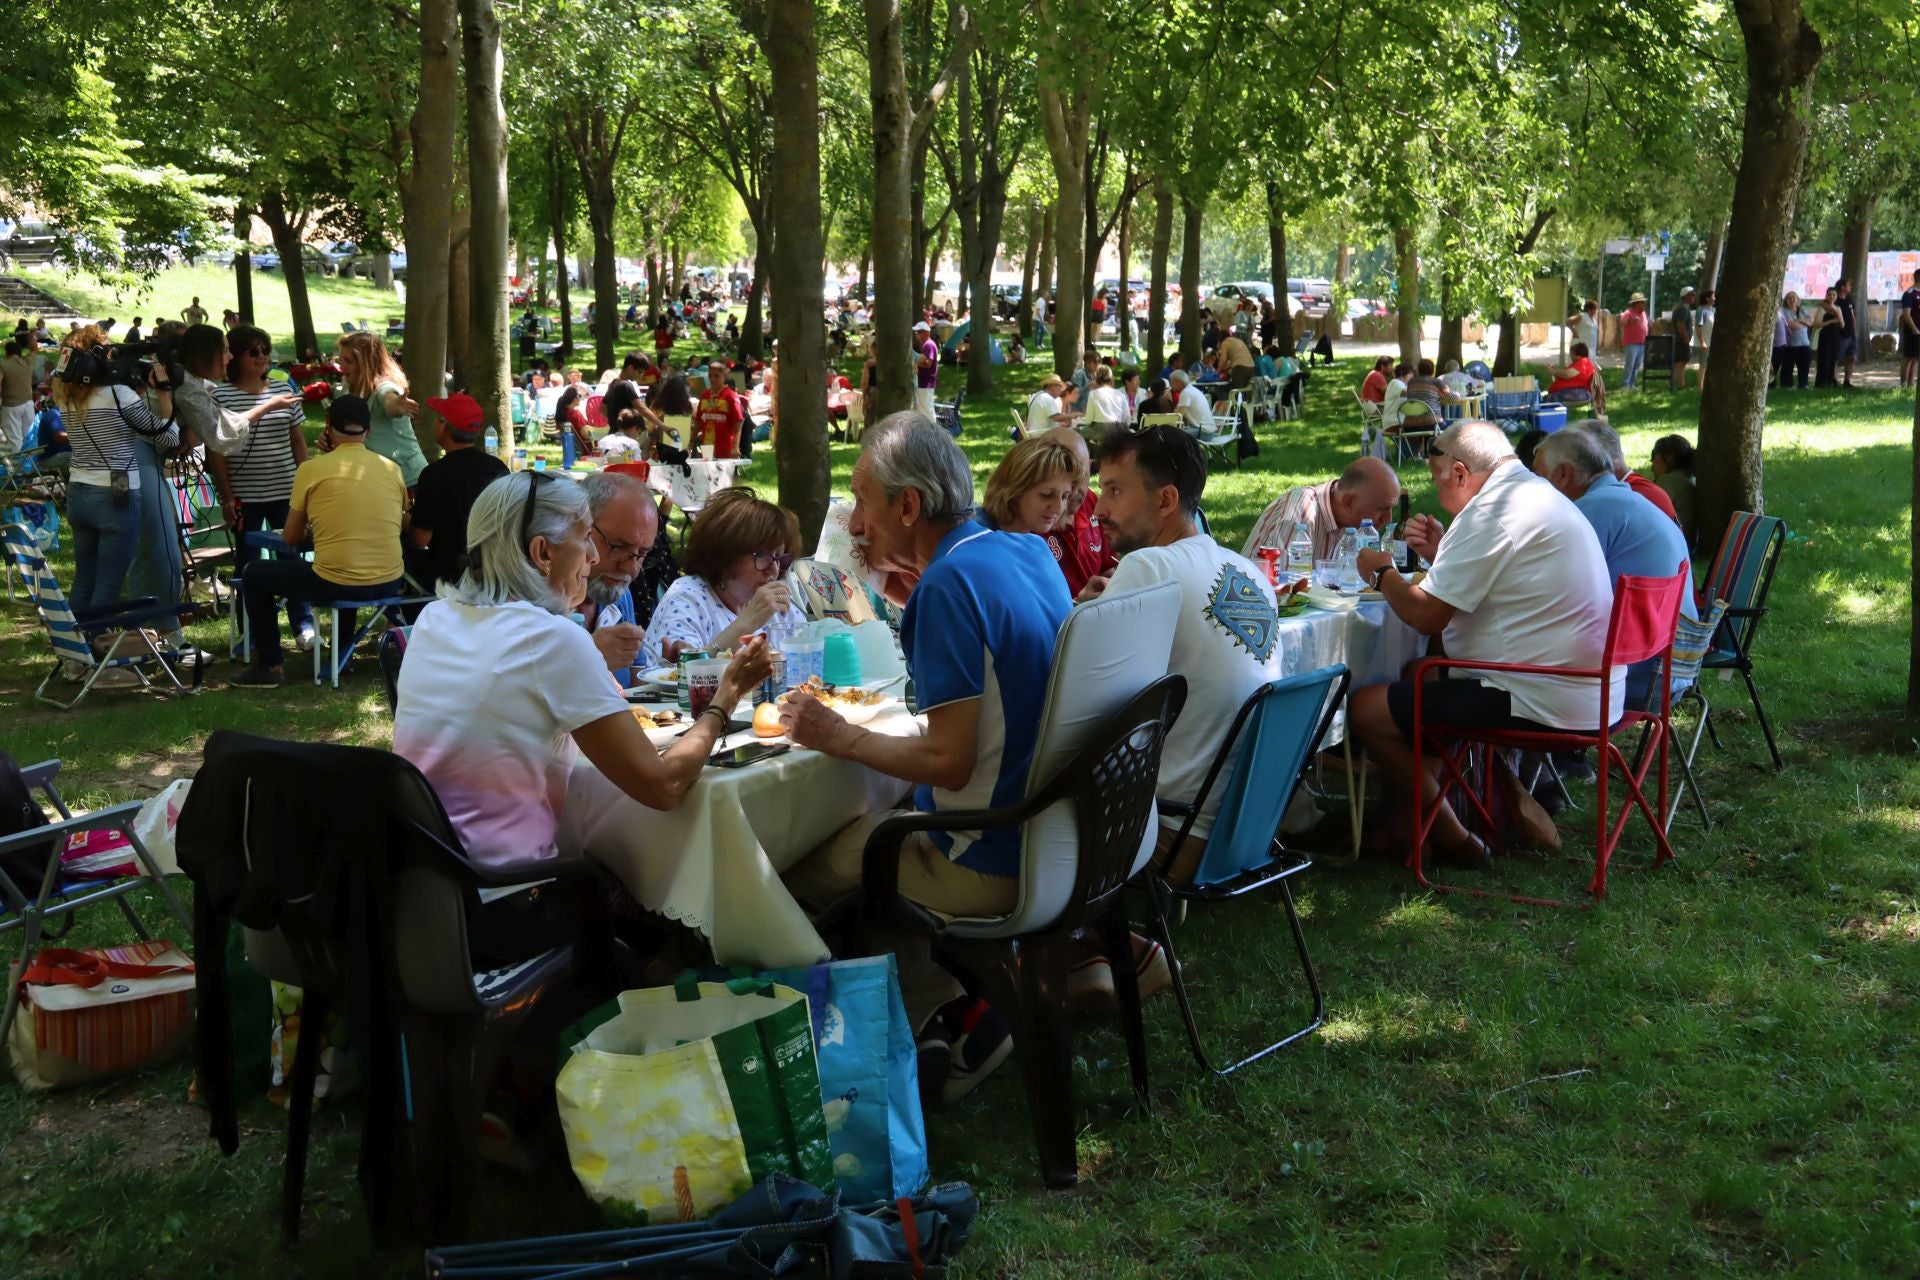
[840, 663]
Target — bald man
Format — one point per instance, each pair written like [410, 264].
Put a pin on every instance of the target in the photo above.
[1366, 490]
[1080, 548]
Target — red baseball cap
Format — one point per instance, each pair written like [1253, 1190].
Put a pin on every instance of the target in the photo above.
[460, 410]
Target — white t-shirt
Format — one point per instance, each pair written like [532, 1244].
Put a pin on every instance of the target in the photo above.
[620, 448]
[1194, 408]
[1526, 573]
[1040, 411]
[1107, 404]
[692, 614]
[1226, 643]
[1587, 329]
[489, 699]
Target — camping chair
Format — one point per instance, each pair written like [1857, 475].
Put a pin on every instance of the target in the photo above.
[1019, 431]
[329, 654]
[1691, 641]
[1645, 611]
[1742, 575]
[948, 415]
[1282, 724]
[1373, 435]
[596, 413]
[376, 929]
[24, 475]
[29, 908]
[1087, 827]
[855, 424]
[1511, 403]
[206, 543]
[519, 407]
[1149, 421]
[1220, 446]
[133, 649]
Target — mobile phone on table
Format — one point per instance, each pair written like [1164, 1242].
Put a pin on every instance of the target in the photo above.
[751, 753]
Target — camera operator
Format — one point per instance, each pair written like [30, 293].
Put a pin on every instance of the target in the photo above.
[106, 501]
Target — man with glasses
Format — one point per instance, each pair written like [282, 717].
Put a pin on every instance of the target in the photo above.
[1519, 578]
[625, 523]
[446, 490]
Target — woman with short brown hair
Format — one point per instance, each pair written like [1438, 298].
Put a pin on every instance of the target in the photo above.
[1036, 482]
[737, 556]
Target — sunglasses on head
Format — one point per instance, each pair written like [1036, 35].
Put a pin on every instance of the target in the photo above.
[534, 480]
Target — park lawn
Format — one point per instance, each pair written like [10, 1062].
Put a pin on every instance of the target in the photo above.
[1707, 1074]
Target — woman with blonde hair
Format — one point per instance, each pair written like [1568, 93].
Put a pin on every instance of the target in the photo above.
[1038, 481]
[374, 375]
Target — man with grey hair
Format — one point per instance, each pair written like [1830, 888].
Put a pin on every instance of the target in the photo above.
[1634, 537]
[1189, 401]
[1519, 578]
[625, 523]
[1366, 490]
[982, 611]
[1608, 439]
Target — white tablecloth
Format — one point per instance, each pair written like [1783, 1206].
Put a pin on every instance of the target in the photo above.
[715, 862]
[1370, 639]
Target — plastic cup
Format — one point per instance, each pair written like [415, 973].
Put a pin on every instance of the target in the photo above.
[840, 662]
[703, 683]
[1326, 573]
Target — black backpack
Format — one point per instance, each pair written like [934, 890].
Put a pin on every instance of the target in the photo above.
[19, 811]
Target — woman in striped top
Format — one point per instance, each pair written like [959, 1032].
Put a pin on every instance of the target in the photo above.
[105, 499]
[256, 480]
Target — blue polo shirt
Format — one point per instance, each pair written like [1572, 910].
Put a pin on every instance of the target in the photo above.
[980, 624]
[1638, 539]
[607, 615]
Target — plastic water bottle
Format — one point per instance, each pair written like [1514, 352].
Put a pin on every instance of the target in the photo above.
[1349, 568]
[1369, 536]
[1299, 555]
[492, 442]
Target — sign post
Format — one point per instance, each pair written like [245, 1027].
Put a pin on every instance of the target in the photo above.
[1656, 263]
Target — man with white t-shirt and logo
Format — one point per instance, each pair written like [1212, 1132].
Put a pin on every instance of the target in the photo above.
[1519, 578]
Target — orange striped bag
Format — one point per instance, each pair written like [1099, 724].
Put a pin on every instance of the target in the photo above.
[85, 1015]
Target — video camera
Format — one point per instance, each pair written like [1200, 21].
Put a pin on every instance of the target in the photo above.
[127, 365]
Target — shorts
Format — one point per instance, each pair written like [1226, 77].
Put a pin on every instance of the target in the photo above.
[1463, 702]
[1910, 346]
[1682, 352]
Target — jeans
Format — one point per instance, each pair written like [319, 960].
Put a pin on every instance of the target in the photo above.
[156, 564]
[105, 538]
[294, 578]
[1636, 353]
[274, 516]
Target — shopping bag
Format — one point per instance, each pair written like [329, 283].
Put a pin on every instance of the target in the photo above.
[684, 1096]
[108, 854]
[86, 1015]
[838, 547]
[830, 592]
[869, 1076]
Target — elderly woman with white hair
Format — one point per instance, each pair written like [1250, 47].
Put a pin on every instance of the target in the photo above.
[501, 684]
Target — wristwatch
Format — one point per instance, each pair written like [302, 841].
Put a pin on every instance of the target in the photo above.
[1381, 573]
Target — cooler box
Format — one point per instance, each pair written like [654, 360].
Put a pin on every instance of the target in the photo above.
[1550, 417]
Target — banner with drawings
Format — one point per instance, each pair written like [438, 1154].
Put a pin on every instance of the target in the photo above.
[1889, 273]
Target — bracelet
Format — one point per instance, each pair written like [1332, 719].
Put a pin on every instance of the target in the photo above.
[715, 709]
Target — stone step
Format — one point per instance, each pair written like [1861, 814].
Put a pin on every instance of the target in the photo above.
[19, 298]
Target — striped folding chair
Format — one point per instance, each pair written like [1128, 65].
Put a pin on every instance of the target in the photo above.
[133, 648]
[1512, 402]
[1742, 575]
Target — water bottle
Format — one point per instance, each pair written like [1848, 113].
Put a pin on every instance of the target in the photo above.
[567, 447]
[1349, 569]
[1299, 555]
[492, 443]
[1369, 536]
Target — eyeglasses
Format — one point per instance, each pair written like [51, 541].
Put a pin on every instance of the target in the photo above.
[765, 560]
[260, 353]
[619, 552]
[1434, 451]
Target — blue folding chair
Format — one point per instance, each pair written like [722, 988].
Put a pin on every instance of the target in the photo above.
[1276, 733]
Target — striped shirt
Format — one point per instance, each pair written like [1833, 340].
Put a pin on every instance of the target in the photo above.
[261, 471]
[103, 436]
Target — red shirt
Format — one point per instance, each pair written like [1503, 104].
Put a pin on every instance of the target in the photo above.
[1374, 388]
[1582, 376]
[1652, 493]
[1633, 327]
[1082, 553]
[719, 412]
[663, 339]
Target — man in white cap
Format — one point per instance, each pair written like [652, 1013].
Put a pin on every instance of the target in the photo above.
[926, 367]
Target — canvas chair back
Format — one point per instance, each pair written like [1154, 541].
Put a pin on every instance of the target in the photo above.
[1742, 571]
[1644, 613]
[48, 599]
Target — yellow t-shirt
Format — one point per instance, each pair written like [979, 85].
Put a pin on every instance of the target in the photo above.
[354, 500]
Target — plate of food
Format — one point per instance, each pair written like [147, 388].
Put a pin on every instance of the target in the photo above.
[1332, 599]
[656, 717]
[855, 704]
[667, 678]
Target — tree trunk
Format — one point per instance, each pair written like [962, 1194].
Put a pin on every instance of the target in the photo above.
[866, 264]
[557, 206]
[383, 271]
[801, 453]
[893, 230]
[428, 210]
[1342, 262]
[1406, 305]
[1277, 248]
[459, 303]
[680, 267]
[1090, 250]
[243, 264]
[1065, 114]
[752, 335]
[520, 262]
[1190, 309]
[286, 240]
[1157, 280]
[1913, 548]
[1854, 243]
[1452, 325]
[1783, 52]
[489, 370]
[1710, 259]
[939, 251]
[656, 283]
[1033, 271]
[1506, 360]
[1123, 323]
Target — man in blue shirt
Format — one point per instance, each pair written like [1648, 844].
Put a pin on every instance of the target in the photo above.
[982, 612]
[1636, 537]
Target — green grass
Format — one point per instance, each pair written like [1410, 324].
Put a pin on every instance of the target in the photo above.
[1733, 1036]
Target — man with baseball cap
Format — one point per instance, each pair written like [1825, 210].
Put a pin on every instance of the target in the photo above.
[352, 502]
[926, 367]
[447, 489]
[717, 418]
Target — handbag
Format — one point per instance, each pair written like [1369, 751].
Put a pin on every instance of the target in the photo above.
[677, 1099]
[87, 1015]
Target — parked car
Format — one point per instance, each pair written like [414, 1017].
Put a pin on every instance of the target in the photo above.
[1006, 300]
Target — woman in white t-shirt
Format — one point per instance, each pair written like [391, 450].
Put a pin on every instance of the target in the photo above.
[738, 552]
[1106, 403]
[500, 685]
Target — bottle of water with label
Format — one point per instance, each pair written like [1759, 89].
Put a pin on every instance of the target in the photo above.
[1348, 557]
[1369, 536]
[492, 443]
[1299, 555]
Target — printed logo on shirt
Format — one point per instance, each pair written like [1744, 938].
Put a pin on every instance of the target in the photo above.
[1237, 607]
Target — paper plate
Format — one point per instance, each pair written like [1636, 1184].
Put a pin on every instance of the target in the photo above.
[667, 678]
[1330, 600]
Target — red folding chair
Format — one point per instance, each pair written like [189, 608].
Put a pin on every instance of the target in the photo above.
[1645, 614]
[596, 414]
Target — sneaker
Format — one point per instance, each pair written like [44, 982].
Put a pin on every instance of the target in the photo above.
[981, 1042]
[259, 678]
[1150, 963]
[305, 638]
[188, 656]
[1090, 986]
